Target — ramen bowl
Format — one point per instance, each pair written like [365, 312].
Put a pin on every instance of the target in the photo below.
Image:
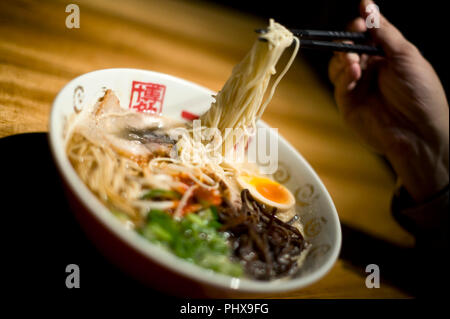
[183, 100]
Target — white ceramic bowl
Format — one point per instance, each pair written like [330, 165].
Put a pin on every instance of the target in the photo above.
[148, 262]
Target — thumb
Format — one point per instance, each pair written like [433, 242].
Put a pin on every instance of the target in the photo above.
[382, 31]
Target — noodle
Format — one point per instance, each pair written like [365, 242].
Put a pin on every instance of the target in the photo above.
[109, 176]
[240, 102]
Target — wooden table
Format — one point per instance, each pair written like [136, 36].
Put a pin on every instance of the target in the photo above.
[200, 42]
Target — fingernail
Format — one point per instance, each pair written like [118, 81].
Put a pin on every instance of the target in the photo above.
[354, 70]
[352, 57]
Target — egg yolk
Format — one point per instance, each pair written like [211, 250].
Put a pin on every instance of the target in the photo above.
[269, 189]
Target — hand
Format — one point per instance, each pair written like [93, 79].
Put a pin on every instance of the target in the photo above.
[396, 103]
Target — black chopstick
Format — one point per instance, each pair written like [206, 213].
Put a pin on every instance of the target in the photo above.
[325, 35]
[330, 35]
[340, 46]
[312, 39]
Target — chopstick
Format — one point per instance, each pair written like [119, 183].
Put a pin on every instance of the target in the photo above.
[340, 46]
[313, 39]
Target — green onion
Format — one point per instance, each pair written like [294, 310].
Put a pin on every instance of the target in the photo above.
[161, 194]
[195, 238]
[123, 217]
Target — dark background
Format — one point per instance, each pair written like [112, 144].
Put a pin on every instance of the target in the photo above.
[424, 23]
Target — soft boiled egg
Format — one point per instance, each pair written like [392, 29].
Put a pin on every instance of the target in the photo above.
[267, 191]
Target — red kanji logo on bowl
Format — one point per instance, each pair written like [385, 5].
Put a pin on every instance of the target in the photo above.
[147, 97]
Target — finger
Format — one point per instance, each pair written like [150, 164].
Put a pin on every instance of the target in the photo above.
[383, 32]
[335, 66]
[350, 58]
[342, 60]
[346, 80]
[364, 61]
[357, 25]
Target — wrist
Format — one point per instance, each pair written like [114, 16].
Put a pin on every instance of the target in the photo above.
[422, 169]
